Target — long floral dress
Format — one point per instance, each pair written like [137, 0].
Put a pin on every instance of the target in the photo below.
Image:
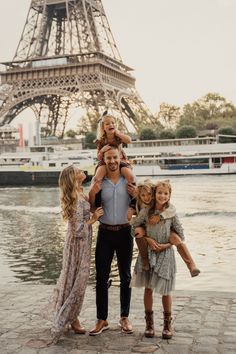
[161, 276]
[67, 299]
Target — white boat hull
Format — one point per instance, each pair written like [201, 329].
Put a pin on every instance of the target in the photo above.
[146, 170]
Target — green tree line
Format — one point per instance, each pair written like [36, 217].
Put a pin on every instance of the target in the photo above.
[211, 113]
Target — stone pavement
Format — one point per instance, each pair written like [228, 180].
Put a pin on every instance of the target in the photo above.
[204, 322]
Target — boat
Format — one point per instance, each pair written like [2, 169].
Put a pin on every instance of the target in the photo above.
[41, 165]
[183, 159]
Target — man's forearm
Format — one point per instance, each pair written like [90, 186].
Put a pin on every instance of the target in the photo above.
[92, 199]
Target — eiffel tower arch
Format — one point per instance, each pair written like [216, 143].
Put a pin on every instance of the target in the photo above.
[67, 57]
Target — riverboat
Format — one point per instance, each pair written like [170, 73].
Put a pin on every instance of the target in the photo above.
[41, 165]
[195, 159]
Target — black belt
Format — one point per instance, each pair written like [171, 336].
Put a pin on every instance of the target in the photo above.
[113, 227]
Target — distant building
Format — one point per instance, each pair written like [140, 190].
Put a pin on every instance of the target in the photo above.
[9, 138]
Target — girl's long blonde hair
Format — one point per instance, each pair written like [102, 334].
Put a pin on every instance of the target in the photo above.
[68, 191]
[100, 130]
[149, 186]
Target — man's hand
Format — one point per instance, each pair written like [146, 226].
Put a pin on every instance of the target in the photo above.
[95, 187]
[132, 190]
[130, 213]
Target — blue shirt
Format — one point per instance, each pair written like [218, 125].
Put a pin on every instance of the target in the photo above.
[115, 202]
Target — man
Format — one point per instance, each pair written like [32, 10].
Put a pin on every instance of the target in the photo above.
[113, 236]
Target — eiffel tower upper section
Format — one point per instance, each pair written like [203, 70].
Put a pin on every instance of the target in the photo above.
[65, 28]
[67, 56]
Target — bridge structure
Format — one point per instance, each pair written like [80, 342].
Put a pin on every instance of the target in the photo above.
[67, 57]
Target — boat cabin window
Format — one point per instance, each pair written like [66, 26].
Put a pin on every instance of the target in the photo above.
[37, 149]
[52, 164]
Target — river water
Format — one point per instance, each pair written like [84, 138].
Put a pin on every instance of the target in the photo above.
[32, 233]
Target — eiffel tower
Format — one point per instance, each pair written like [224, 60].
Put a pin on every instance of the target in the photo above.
[67, 57]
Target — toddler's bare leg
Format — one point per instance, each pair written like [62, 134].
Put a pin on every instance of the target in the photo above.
[142, 246]
[184, 253]
[100, 173]
[128, 174]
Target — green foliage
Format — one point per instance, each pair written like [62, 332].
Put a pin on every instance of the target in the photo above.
[208, 109]
[167, 134]
[88, 140]
[211, 125]
[45, 132]
[88, 123]
[227, 131]
[209, 112]
[186, 131]
[71, 133]
[147, 134]
[168, 115]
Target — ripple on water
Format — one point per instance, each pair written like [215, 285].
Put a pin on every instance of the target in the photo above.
[32, 233]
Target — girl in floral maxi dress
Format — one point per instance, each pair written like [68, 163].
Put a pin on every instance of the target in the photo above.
[68, 295]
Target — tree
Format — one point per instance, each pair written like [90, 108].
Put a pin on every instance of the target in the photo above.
[88, 123]
[147, 134]
[168, 115]
[71, 133]
[211, 125]
[227, 131]
[186, 131]
[210, 108]
[89, 140]
[167, 134]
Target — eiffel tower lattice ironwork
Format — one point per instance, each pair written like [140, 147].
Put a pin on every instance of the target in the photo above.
[67, 57]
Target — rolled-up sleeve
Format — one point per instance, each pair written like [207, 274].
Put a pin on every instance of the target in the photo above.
[177, 227]
[139, 220]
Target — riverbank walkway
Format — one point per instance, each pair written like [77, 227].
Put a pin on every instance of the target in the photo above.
[204, 322]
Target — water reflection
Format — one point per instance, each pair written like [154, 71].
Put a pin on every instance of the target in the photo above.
[32, 236]
[34, 246]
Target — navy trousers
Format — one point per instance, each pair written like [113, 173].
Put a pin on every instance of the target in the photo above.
[109, 243]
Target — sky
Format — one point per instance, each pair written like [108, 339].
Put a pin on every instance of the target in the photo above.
[180, 50]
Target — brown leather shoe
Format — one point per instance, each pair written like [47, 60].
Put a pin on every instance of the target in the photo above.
[101, 325]
[77, 328]
[125, 325]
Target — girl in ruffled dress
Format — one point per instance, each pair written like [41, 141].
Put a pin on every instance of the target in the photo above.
[107, 134]
[160, 275]
[67, 299]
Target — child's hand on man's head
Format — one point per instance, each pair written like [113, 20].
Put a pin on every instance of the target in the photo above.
[105, 148]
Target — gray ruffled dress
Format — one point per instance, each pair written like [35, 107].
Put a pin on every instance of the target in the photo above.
[161, 276]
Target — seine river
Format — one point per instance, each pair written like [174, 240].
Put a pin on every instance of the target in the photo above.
[32, 233]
